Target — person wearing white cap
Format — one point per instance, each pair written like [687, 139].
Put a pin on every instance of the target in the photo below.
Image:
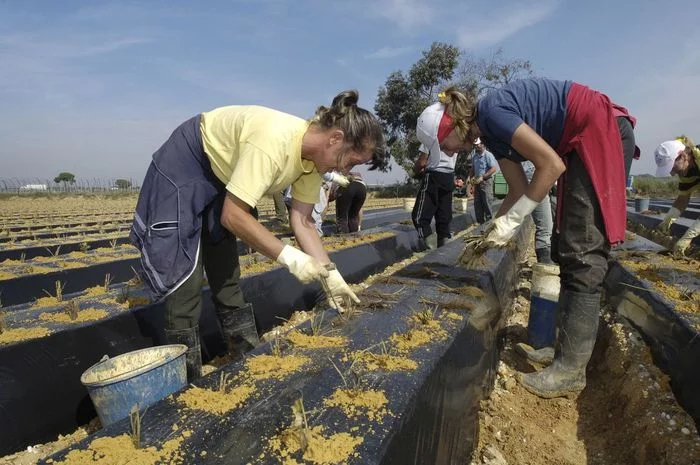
[573, 134]
[680, 157]
[434, 199]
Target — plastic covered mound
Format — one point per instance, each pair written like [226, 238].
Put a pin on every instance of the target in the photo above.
[335, 404]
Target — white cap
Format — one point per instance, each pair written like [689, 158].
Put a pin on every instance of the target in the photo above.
[427, 129]
[664, 156]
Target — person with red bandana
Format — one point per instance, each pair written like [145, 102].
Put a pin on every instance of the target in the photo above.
[579, 137]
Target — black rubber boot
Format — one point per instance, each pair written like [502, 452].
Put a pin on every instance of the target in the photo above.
[544, 255]
[238, 325]
[566, 376]
[441, 241]
[190, 338]
[543, 356]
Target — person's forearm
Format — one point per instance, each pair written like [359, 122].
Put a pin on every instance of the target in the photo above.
[308, 239]
[490, 173]
[247, 229]
[542, 181]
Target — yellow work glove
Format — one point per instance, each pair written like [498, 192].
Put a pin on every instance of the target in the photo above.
[339, 294]
[671, 216]
[303, 266]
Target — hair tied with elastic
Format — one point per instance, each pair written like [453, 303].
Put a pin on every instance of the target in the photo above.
[442, 97]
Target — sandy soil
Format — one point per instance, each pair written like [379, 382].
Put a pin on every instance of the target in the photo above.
[626, 415]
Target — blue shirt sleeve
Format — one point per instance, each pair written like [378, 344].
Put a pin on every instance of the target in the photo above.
[503, 122]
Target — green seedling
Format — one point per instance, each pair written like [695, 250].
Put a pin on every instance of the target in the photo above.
[22, 257]
[113, 244]
[84, 247]
[72, 309]
[350, 374]
[123, 294]
[427, 315]
[54, 254]
[136, 279]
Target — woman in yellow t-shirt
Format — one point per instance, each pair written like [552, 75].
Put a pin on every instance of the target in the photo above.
[198, 194]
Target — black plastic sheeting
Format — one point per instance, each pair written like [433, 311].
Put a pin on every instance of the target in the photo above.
[673, 338]
[662, 206]
[19, 290]
[433, 408]
[40, 391]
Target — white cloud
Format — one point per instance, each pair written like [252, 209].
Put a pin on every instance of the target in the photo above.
[497, 25]
[389, 52]
[406, 14]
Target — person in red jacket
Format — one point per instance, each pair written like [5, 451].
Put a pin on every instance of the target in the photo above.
[572, 134]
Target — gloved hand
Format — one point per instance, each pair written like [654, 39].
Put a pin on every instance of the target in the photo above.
[338, 292]
[303, 266]
[504, 227]
[337, 178]
[683, 243]
[671, 216]
[477, 181]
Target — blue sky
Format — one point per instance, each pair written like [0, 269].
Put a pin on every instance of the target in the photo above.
[95, 87]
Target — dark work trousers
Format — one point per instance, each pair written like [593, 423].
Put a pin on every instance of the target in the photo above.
[348, 203]
[434, 200]
[582, 247]
[183, 306]
[483, 198]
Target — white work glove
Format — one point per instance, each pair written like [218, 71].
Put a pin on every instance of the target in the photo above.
[303, 266]
[672, 215]
[341, 180]
[338, 292]
[683, 243]
[504, 227]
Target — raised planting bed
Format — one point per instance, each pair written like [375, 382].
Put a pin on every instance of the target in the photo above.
[660, 296]
[70, 233]
[645, 225]
[39, 371]
[30, 226]
[396, 381]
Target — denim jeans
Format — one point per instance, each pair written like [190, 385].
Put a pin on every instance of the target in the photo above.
[541, 215]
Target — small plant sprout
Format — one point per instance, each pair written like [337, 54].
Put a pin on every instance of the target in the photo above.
[59, 291]
[350, 374]
[136, 279]
[299, 412]
[316, 323]
[84, 247]
[22, 257]
[72, 309]
[113, 244]
[55, 253]
[135, 418]
[427, 315]
[275, 346]
[223, 381]
[108, 281]
[123, 294]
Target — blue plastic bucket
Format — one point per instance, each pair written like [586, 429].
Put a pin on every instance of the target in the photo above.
[641, 205]
[140, 377]
[544, 298]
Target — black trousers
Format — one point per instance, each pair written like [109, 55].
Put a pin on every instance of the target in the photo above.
[581, 248]
[348, 203]
[434, 200]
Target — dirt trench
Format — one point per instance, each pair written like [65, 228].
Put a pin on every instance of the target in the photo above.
[626, 415]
